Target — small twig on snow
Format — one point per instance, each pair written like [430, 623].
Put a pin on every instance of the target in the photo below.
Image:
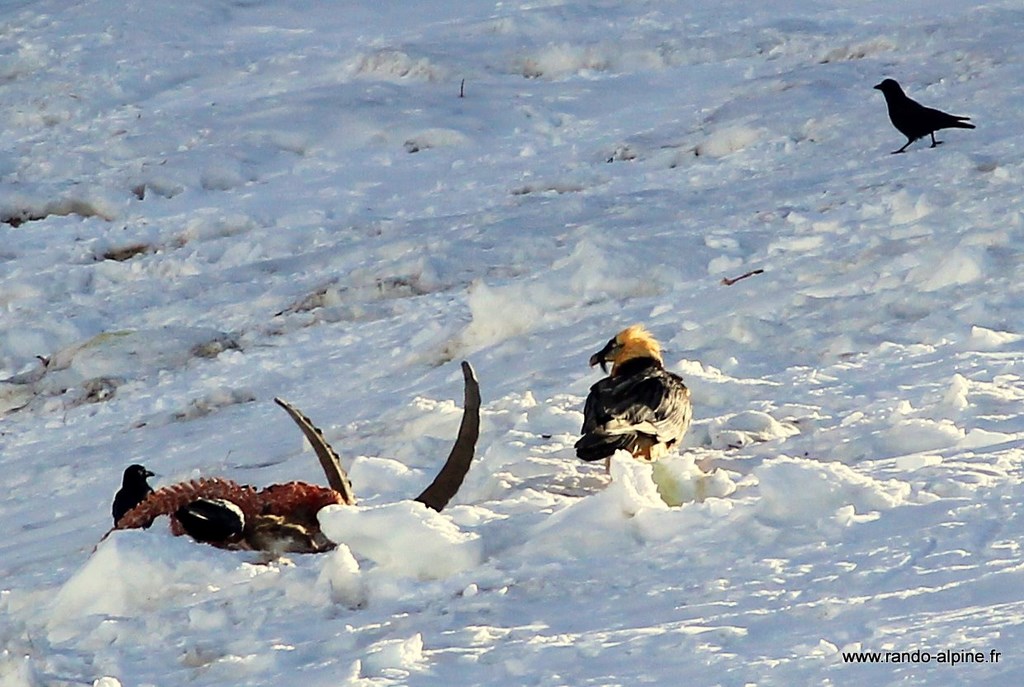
[726, 281]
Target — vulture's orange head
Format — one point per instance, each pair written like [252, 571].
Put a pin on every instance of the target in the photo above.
[631, 342]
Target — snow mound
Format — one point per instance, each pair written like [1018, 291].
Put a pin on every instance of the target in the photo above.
[224, 174]
[679, 480]
[959, 266]
[340, 578]
[376, 475]
[797, 491]
[749, 426]
[434, 138]
[912, 435]
[558, 61]
[907, 209]
[135, 572]
[394, 65]
[728, 140]
[983, 339]
[632, 492]
[501, 313]
[31, 202]
[632, 488]
[391, 656]
[404, 538]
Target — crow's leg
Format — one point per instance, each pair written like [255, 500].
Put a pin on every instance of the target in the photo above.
[934, 142]
[897, 152]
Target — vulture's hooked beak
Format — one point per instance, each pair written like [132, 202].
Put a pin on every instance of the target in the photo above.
[605, 355]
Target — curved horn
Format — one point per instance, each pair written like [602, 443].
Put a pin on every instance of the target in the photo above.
[337, 478]
[449, 479]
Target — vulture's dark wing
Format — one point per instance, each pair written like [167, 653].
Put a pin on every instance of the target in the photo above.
[655, 402]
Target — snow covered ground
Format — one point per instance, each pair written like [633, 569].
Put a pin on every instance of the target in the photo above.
[209, 204]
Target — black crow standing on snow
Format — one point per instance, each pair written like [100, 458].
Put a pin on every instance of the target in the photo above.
[134, 490]
[640, 406]
[913, 119]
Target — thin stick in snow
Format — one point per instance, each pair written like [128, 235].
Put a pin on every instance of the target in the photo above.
[726, 281]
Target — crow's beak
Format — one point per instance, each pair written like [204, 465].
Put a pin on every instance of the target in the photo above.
[878, 86]
[150, 473]
[604, 356]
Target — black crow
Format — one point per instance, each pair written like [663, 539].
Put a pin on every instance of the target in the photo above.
[913, 119]
[134, 490]
[640, 406]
